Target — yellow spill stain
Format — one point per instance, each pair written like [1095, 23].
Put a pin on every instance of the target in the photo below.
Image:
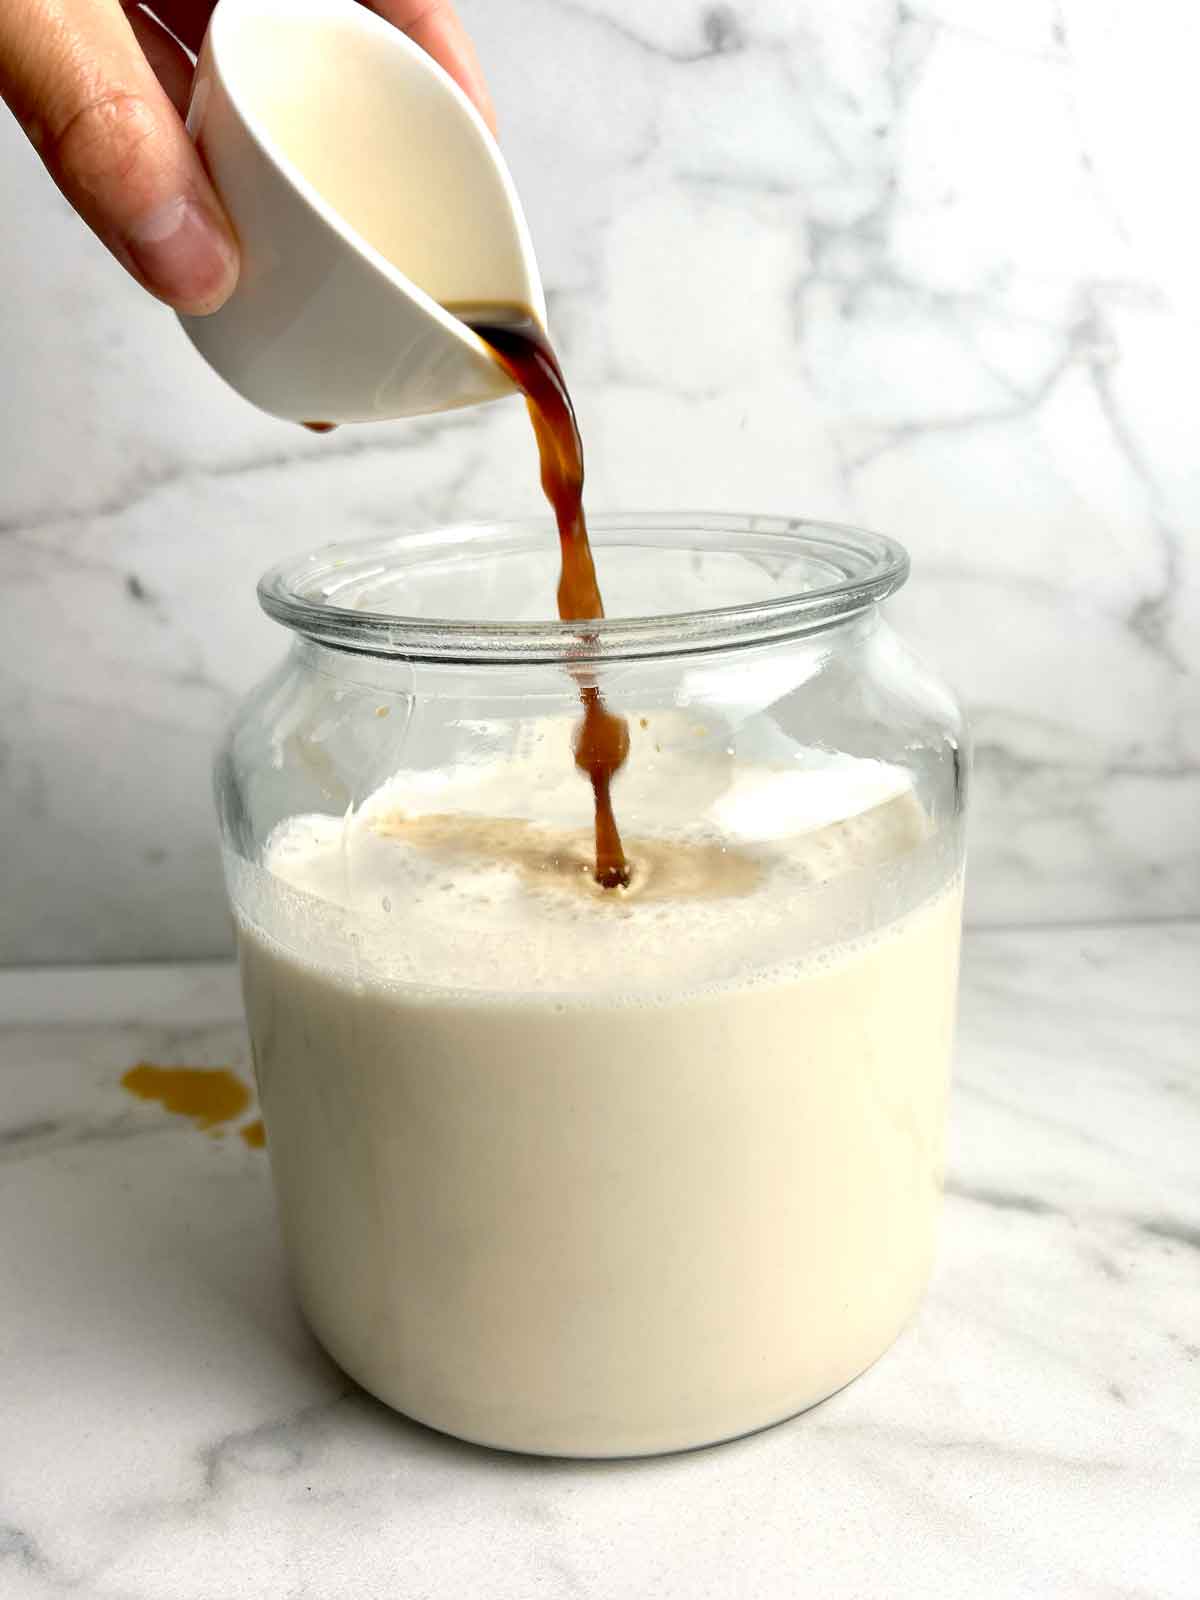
[254, 1134]
[209, 1095]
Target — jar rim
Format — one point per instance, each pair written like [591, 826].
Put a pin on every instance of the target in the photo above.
[319, 594]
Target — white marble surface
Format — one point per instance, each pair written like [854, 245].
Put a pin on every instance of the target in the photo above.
[930, 265]
[170, 1432]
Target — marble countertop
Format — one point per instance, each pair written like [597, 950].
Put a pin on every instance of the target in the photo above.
[170, 1431]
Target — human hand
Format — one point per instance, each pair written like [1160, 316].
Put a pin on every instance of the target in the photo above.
[100, 88]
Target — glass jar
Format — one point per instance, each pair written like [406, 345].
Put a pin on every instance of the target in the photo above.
[590, 1171]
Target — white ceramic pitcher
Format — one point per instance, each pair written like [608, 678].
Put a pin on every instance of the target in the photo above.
[367, 194]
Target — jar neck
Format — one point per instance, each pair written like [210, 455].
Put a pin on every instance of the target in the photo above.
[399, 675]
[673, 582]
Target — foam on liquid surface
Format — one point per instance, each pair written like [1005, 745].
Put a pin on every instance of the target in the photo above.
[478, 877]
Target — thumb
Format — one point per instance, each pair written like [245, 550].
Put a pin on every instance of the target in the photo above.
[77, 81]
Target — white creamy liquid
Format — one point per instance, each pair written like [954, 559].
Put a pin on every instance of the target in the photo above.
[596, 1173]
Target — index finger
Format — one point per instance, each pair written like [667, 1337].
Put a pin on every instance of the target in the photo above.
[436, 27]
[433, 24]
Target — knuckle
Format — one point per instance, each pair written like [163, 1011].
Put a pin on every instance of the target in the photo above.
[105, 141]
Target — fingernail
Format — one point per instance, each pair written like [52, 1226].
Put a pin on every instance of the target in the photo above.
[471, 77]
[487, 106]
[478, 89]
[184, 255]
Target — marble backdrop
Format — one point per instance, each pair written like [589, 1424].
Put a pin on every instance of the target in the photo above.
[933, 267]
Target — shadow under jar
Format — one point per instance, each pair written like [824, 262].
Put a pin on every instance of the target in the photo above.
[583, 1171]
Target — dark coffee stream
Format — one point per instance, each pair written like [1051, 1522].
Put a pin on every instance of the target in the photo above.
[519, 344]
[602, 742]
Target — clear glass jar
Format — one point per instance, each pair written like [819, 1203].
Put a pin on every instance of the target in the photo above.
[584, 1171]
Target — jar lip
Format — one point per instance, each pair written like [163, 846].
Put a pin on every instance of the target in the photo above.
[319, 594]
